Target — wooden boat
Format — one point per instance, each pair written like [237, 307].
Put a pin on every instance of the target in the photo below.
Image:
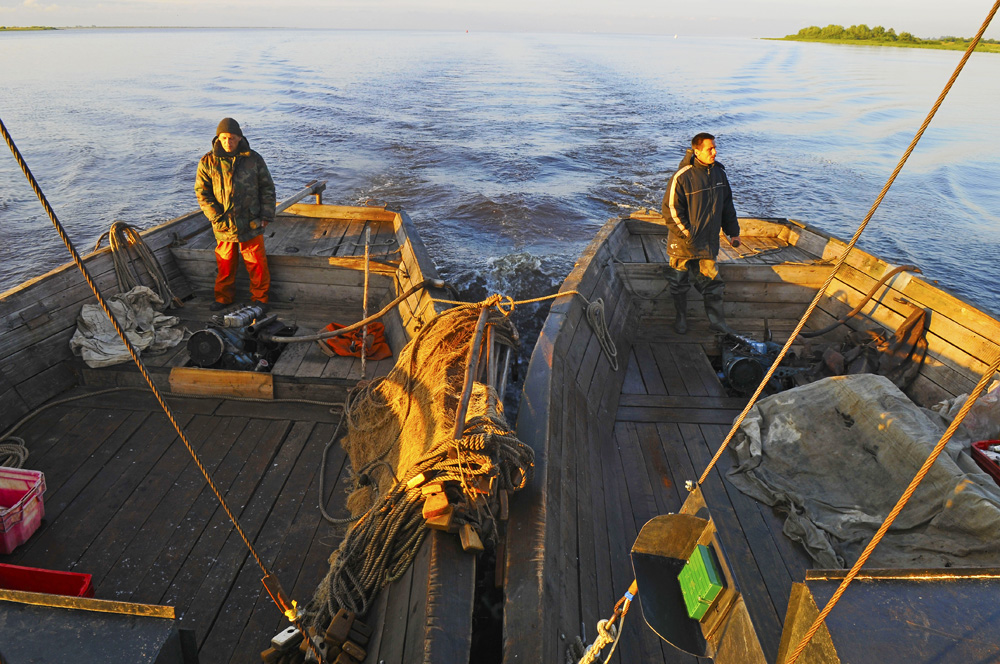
[615, 447]
[126, 504]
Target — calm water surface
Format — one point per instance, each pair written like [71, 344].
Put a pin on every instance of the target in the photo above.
[509, 151]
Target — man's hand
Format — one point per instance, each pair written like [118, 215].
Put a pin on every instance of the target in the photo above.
[735, 241]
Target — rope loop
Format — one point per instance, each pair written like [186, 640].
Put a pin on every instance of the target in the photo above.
[508, 302]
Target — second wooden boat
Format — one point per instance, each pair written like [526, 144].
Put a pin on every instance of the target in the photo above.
[625, 419]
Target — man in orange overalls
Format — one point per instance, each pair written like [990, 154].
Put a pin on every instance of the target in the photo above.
[236, 193]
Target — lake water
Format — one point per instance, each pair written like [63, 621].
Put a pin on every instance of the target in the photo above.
[509, 151]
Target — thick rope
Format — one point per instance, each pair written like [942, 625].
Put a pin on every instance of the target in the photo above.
[606, 635]
[78, 260]
[850, 245]
[924, 469]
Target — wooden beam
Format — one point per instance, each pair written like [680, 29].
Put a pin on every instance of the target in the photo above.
[219, 382]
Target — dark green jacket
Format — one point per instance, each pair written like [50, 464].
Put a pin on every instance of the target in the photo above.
[235, 193]
[698, 203]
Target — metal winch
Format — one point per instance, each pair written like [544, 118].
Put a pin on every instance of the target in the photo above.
[236, 341]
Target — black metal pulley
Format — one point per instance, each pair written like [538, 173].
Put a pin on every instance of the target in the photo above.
[206, 347]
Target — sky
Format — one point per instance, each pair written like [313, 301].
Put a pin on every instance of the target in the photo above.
[727, 18]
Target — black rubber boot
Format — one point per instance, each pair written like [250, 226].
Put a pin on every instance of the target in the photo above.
[716, 316]
[680, 313]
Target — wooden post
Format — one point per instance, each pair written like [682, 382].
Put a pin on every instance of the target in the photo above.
[364, 305]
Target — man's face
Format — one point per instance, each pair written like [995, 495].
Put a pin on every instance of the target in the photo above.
[229, 141]
[706, 151]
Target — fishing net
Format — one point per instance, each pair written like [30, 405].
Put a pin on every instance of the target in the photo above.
[402, 447]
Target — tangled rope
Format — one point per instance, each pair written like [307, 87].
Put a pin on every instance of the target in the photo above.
[402, 442]
[382, 545]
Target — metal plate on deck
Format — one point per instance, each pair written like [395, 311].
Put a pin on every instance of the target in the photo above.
[928, 615]
[87, 630]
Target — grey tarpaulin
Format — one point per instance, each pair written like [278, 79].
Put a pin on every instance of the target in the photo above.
[836, 455]
[96, 341]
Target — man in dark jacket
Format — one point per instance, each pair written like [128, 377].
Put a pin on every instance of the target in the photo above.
[698, 203]
[236, 193]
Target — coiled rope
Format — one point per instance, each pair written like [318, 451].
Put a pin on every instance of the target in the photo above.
[284, 605]
[122, 237]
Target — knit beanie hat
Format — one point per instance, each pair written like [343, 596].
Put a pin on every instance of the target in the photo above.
[228, 126]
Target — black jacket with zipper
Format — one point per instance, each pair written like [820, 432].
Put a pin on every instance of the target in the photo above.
[698, 203]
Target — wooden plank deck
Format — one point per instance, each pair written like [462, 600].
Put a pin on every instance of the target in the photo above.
[127, 505]
[672, 415]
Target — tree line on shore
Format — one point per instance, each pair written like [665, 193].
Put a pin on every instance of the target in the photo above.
[877, 34]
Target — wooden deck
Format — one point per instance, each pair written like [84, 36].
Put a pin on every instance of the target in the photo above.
[127, 505]
[617, 447]
[126, 502]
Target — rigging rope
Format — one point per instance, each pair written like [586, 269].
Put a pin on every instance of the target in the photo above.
[850, 245]
[607, 632]
[595, 317]
[274, 589]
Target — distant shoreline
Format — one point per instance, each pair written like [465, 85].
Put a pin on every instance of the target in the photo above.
[4, 28]
[939, 45]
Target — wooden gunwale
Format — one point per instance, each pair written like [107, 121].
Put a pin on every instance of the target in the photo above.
[656, 422]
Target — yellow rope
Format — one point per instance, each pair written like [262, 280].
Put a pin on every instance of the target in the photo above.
[850, 245]
[924, 469]
[494, 299]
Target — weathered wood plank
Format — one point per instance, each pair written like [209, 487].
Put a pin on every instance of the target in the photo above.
[568, 590]
[765, 551]
[633, 383]
[701, 403]
[441, 607]
[81, 522]
[259, 483]
[146, 517]
[592, 584]
[677, 415]
[220, 382]
[237, 609]
[183, 561]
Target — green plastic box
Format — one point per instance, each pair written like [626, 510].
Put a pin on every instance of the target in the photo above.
[700, 582]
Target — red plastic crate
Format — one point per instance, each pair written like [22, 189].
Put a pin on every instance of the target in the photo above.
[21, 507]
[984, 462]
[53, 582]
